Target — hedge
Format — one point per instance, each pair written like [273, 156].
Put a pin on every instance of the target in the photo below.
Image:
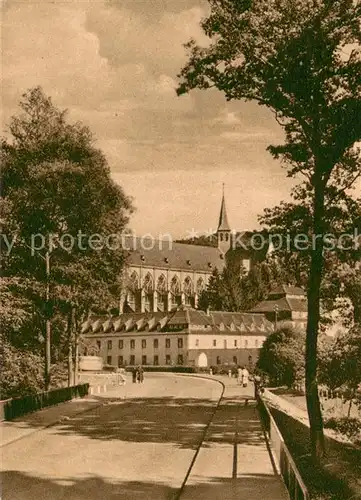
[166, 368]
[17, 407]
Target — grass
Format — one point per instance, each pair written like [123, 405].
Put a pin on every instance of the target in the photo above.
[339, 476]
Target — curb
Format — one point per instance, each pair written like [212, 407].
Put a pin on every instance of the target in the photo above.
[51, 424]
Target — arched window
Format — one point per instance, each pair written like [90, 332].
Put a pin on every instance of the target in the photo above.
[133, 282]
[200, 285]
[162, 293]
[148, 292]
[175, 290]
[188, 291]
[133, 291]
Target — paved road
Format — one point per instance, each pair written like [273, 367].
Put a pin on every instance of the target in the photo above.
[141, 442]
[138, 447]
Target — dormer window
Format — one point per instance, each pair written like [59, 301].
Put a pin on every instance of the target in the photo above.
[221, 256]
[210, 264]
[188, 262]
[166, 260]
[142, 258]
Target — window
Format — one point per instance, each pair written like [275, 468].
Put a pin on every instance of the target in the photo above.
[132, 344]
[144, 360]
[156, 360]
[144, 343]
[110, 345]
[214, 343]
[109, 360]
[246, 343]
[99, 344]
[120, 361]
[235, 359]
[197, 342]
[155, 343]
[167, 343]
[180, 343]
[167, 359]
[180, 359]
[121, 344]
[256, 342]
[225, 344]
[235, 343]
[218, 360]
[132, 360]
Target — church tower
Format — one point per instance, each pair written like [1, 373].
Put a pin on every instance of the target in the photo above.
[223, 231]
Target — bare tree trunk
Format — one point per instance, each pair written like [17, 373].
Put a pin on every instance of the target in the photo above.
[76, 347]
[47, 376]
[350, 405]
[314, 286]
[70, 350]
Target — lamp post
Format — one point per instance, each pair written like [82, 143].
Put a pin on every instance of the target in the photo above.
[276, 309]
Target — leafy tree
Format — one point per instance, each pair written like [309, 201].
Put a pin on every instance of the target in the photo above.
[301, 59]
[282, 357]
[58, 195]
[235, 290]
[340, 364]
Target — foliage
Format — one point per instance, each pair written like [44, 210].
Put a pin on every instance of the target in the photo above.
[282, 357]
[58, 194]
[235, 290]
[301, 59]
[21, 372]
[340, 363]
[350, 427]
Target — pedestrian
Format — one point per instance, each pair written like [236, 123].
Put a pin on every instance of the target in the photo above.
[134, 375]
[141, 374]
[257, 384]
[239, 375]
[245, 375]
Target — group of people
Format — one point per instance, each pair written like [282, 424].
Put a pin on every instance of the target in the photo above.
[138, 375]
[242, 376]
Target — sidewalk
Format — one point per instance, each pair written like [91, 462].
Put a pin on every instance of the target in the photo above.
[47, 417]
[233, 461]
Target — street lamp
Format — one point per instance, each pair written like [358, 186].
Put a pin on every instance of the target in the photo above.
[276, 309]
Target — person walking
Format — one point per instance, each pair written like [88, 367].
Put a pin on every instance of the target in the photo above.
[141, 374]
[134, 375]
[239, 376]
[245, 376]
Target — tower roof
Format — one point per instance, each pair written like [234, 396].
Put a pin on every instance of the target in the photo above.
[223, 224]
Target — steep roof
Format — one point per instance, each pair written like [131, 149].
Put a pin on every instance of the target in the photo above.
[223, 224]
[284, 298]
[287, 290]
[183, 317]
[171, 255]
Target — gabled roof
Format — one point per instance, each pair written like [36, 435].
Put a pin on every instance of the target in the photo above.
[172, 255]
[287, 290]
[249, 323]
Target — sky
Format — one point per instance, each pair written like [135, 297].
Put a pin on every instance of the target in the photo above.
[114, 66]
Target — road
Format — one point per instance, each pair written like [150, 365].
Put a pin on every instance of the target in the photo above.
[137, 447]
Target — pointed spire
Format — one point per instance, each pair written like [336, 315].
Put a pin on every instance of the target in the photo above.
[223, 224]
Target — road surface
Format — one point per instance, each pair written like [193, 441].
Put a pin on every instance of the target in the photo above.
[171, 438]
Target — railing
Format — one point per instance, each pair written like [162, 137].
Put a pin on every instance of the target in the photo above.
[18, 407]
[288, 469]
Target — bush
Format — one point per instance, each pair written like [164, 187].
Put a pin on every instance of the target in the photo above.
[22, 372]
[349, 427]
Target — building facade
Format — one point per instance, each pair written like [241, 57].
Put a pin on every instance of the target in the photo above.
[161, 274]
[285, 305]
[184, 336]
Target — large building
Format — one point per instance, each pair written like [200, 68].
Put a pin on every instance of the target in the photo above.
[161, 274]
[184, 336]
[285, 304]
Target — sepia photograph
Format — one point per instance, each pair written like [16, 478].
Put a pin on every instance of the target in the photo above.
[180, 310]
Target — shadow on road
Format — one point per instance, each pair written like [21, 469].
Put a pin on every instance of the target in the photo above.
[20, 486]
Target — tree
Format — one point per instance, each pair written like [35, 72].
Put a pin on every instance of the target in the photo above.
[302, 60]
[61, 208]
[282, 357]
[235, 290]
[340, 364]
